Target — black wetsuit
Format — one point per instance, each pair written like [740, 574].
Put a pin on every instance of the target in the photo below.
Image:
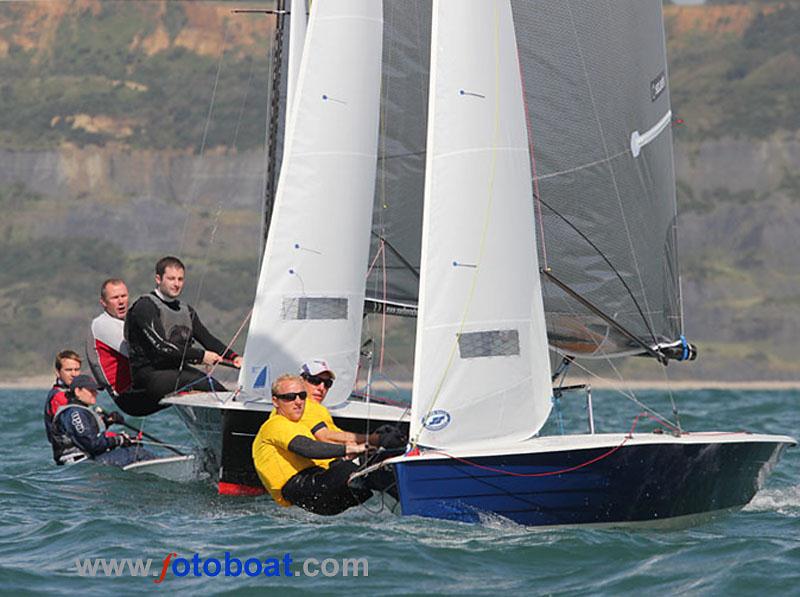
[161, 335]
[319, 490]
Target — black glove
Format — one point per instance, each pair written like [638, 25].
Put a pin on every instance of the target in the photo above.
[390, 437]
[124, 440]
[113, 418]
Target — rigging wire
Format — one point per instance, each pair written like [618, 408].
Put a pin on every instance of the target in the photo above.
[618, 384]
[607, 153]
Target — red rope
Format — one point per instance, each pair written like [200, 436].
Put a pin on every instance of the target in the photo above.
[383, 319]
[235, 336]
[552, 473]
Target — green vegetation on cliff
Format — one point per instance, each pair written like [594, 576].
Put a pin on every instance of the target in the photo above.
[138, 78]
[96, 82]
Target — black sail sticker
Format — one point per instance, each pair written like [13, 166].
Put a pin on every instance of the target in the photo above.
[658, 85]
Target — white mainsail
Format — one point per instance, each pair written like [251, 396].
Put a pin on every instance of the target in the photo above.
[481, 365]
[309, 300]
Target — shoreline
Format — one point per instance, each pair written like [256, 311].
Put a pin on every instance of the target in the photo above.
[44, 382]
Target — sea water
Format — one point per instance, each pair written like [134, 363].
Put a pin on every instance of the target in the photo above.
[53, 516]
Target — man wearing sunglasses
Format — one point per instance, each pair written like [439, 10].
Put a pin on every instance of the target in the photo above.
[296, 468]
[318, 379]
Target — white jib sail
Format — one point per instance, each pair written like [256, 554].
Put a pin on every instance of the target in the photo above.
[309, 300]
[481, 370]
[297, 38]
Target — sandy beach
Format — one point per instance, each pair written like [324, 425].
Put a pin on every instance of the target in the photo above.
[45, 381]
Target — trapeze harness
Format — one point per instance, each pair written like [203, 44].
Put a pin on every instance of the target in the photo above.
[157, 361]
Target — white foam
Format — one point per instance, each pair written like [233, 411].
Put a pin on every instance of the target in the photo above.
[785, 500]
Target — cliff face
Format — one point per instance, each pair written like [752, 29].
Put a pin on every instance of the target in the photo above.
[114, 176]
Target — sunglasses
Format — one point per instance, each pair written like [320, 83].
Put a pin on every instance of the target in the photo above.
[291, 396]
[315, 380]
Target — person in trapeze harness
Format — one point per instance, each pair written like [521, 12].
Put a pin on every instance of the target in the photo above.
[161, 332]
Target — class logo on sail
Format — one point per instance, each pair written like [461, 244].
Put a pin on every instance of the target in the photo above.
[436, 420]
[262, 376]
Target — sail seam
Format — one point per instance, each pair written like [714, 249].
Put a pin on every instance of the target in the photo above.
[582, 167]
[479, 150]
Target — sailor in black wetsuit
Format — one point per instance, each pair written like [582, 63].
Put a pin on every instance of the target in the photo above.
[79, 432]
[161, 331]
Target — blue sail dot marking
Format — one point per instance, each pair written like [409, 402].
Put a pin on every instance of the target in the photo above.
[291, 271]
[296, 246]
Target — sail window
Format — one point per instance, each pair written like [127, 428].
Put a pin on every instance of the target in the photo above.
[314, 307]
[494, 343]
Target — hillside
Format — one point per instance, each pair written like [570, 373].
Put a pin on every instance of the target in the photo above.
[111, 156]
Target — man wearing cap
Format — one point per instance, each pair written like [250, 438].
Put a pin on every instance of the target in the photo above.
[79, 432]
[106, 347]
[297, 469]
[318, 378]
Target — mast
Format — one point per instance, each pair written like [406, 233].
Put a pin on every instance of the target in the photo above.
[273, 120]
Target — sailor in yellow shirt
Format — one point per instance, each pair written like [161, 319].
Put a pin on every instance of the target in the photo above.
[296, 468]
[318, 378]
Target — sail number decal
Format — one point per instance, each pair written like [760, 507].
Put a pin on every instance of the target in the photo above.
[658, 85]
[436, 420]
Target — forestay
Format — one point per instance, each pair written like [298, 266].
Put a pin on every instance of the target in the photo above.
[309, 300]
[481, 364]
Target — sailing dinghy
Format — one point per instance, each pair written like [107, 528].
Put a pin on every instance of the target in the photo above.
[566, 102]
[515, 159]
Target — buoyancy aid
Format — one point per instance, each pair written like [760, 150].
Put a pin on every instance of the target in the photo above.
[69, 453]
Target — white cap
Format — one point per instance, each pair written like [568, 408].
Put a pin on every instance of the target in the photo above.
[315, 367]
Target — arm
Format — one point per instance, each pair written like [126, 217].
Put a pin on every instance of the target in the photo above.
[309, 448]
[324, 434]
[209, 340]
[143, 318]
[93, 359]
[84, 432]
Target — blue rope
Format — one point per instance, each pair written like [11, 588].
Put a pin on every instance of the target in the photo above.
[685, 345]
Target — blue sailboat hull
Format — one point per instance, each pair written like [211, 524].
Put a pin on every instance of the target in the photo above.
[634, 484]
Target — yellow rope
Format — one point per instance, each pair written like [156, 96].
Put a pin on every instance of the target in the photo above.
[486, 220]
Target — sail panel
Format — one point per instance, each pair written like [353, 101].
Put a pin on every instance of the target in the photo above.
[397, 216]
[594, 74]
[481, 367]
[310, 294]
